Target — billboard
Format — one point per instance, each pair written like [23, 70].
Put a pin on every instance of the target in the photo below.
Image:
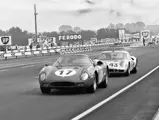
[5, 40]
[136, 35]
[121, 34]
[47, 41]
[70, 37]
[145, 34]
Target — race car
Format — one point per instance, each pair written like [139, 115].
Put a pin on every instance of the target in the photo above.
[74, 71]
[119, 61]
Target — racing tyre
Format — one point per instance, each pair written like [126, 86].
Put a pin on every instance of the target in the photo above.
[127, 73]
[104, 84]
[92, 88]
[45, 90]
[135, 68]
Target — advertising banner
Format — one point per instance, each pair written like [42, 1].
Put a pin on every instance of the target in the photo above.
[145, 34]
[121, 34]
[5, 40]
[44, 41]
[70, 37]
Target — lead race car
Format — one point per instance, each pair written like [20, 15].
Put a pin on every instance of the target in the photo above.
[74, 71]
[119, 61]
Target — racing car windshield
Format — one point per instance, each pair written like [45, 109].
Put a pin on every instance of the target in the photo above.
[73, 61]
[112, 56]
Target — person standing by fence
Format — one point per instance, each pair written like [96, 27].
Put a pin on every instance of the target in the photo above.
[143, 41]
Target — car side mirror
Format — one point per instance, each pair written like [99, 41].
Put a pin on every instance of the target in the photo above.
[46, 65]
[132, 57]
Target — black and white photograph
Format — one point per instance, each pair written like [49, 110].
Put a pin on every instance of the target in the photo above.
[79, 60]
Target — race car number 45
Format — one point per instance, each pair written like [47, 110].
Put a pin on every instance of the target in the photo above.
[65, 72]
[113, 64]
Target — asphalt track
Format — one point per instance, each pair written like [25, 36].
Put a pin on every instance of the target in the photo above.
[21, 99]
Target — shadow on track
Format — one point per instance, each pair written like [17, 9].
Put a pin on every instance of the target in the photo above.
[56, 92]
[68, 92]
[116, 75]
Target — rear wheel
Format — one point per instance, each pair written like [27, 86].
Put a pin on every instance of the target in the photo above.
[127, 73]
[45, 90]
[104, 84]
[135, 68]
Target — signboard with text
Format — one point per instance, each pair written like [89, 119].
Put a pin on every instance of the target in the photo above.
[70, 37]
[121, 34]
[145, 34]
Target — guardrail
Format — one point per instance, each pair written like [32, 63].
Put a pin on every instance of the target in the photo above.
[49, 51]
[42, 52]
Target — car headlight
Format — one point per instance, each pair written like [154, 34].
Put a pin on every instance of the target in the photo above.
[42, 76]
[84, 76]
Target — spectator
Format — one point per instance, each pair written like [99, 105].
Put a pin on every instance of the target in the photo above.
[143, 41]
[16, 47]
[31, 46]
[52, 44]
[38, 46]
[154, 40]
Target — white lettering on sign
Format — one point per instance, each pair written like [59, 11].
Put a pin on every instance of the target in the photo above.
[70, 37]
[63, 37]
[75, 36]
[79, 36]
[59, 37]
[65, 72]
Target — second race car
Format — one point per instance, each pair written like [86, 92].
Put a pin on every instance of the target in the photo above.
[73, 71]
[119, 61]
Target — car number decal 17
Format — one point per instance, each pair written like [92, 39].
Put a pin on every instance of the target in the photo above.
[65, 72]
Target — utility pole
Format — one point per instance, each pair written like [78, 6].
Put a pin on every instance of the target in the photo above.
[35, 14]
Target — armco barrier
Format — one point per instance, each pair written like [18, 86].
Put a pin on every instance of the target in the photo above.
[50, 50]
[41, 52]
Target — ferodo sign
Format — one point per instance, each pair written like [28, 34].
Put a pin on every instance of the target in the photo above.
[70, 37]
[145, 34]
[5, 40]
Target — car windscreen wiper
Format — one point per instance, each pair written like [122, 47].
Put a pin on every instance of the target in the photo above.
[59, 63]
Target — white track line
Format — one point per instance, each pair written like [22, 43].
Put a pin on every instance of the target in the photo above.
[113, 96]
[156, 116]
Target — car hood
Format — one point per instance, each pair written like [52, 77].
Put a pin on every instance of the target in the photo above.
[66, 73]
[117, 62]
[113, 61]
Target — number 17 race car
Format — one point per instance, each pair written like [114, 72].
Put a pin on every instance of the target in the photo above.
[119, 62]
[74, 71]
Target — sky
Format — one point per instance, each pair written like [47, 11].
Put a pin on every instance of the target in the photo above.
[86, 14]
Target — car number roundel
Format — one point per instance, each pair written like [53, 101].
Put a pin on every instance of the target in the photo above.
[65, 72]
[113, 64]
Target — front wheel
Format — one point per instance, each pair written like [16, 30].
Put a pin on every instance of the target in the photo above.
[45, 90]
[92, 88]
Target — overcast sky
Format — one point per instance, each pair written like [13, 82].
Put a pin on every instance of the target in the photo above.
[87, 14]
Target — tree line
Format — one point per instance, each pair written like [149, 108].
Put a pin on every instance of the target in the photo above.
[20, 37]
